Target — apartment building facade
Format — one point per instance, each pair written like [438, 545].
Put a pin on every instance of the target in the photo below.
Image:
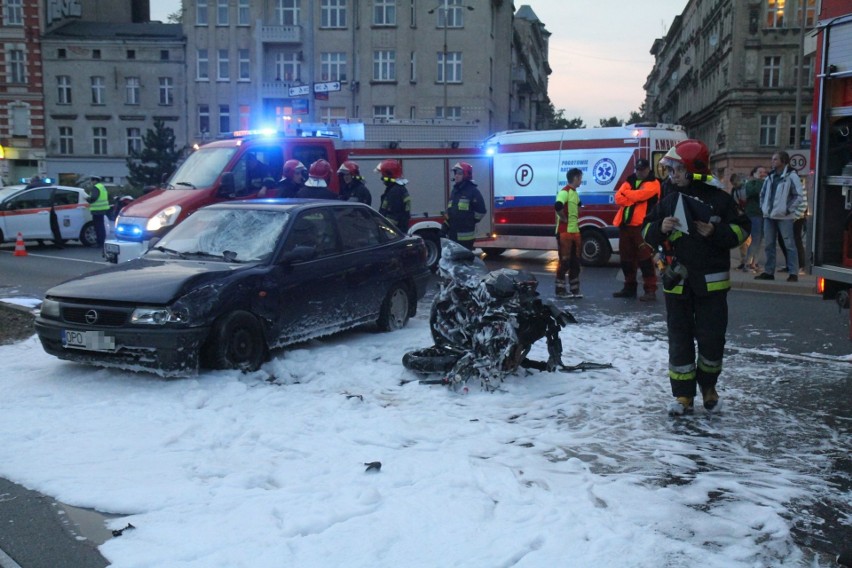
[738, 75]
[300, 64]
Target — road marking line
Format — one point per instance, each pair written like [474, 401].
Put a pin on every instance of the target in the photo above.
[7, 562]
[37, 255]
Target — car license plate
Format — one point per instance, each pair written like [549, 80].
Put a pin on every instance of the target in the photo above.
[90, 340]
[111, 248]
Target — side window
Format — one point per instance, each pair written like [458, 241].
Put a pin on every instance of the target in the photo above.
[34, 199]
[313, 229]
[358, 229]
[65, 197]
[256, 165]
[308, 154]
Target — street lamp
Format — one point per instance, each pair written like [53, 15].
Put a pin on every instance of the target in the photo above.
[445, 10]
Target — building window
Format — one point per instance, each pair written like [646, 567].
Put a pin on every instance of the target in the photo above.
[333, 14]
[807, 70]
[223, 72]
[134, 141]
[222, 13]
[13, 12]
[287, 12]
[804, 121]
[243, 13]
[61, 53]
[384, 112]
[20, 120]
[413, 63]
[245, 117]
[453, 16]
[775, 13]
[202, 72]
[384, 12]
[453, 112]
[98, 90]
[99, 141]
[131, 90]
[772, 71]
[204, 119]
[333, 66]
[96, 54]
[451, 71]
[384, 66]
[201, 13]
[769, 130]
[244, 64]
[288, 67]
[164, 55]
[224, 119]
[63, 82]
[131, 54]
[16, 67]
[66, 140]
[333, 115]
[167, 90]
[810, 13]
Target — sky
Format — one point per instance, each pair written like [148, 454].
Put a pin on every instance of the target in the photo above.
[267, 469]
[600, 57]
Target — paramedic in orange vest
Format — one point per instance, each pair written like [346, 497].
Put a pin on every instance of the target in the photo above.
[568, 240]
[637, 197]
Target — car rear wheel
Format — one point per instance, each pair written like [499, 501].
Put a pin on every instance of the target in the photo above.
[395, 309]
[433, 248]
[236, 342]
[88, 236]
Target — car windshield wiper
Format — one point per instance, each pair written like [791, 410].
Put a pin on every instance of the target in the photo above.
[169, 251]
[227, 256]
[186, 183]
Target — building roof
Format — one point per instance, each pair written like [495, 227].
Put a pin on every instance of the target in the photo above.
[98, 30]
[526, 13]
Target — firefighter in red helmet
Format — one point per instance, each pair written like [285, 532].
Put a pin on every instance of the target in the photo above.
[465, 209]
[395, 201]
[696, 226]
[317, 185]
[292, 179]
[352, 186]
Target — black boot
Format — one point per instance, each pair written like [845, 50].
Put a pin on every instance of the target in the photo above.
[628, 291]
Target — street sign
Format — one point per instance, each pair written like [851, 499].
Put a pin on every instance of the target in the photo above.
[327, 87]
[299, 91]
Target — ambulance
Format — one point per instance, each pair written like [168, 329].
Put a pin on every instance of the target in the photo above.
[529, 168]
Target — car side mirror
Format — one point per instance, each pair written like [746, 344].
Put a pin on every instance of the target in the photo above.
[227, 188]
[300, 253]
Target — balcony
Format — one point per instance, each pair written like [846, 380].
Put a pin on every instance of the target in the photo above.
[281, 34]
[275, 89]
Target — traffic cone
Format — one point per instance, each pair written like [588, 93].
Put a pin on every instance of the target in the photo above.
[20, 249]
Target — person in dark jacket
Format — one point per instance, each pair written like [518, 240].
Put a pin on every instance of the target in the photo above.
[292, 180]
[352, 186]
[465, 209]
[317, 185]
[395, 203]
[697, 278]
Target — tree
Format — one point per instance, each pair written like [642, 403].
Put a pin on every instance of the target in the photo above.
[635, 118]
[158, 157]
[611, 121]
[175, 17]
[556, 118]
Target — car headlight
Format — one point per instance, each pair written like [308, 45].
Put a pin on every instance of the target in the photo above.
[157, 316]
[164, 218]
[50, 309]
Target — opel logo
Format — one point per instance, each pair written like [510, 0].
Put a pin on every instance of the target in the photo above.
[91, 316]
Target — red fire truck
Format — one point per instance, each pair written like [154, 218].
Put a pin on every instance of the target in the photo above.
[831, 153]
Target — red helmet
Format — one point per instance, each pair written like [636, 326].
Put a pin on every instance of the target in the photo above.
[319, 174]
[693, 154]
[292, 166]
[389, 169]
[351, 168]
[466, 170]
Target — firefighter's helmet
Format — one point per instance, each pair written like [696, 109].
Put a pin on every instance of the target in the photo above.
[351, 168]
[319, 174]
[389, 169]
[693, 154]
[465, 168]
[293, 166]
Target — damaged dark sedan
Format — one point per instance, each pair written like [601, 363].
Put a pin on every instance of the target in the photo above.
[234, 281]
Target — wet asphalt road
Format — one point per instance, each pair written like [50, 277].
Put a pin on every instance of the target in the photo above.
[800, 408]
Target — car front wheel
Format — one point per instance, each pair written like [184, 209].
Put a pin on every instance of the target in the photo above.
[236, 342]
[88, 236]
[395, 309]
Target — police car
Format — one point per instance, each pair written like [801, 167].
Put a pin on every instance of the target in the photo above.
[28, 211]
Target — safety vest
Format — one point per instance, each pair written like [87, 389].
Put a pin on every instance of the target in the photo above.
[102, 202]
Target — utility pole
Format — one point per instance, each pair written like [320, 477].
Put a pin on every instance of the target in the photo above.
[797, 136]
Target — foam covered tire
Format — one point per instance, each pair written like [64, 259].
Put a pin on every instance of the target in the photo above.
[236, 342]
[430, 360]
[395, 309]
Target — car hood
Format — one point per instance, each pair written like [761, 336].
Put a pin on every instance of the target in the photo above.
[143, 281]
[154, 202]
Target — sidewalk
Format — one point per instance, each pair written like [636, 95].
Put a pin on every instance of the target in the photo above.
[806, 286]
